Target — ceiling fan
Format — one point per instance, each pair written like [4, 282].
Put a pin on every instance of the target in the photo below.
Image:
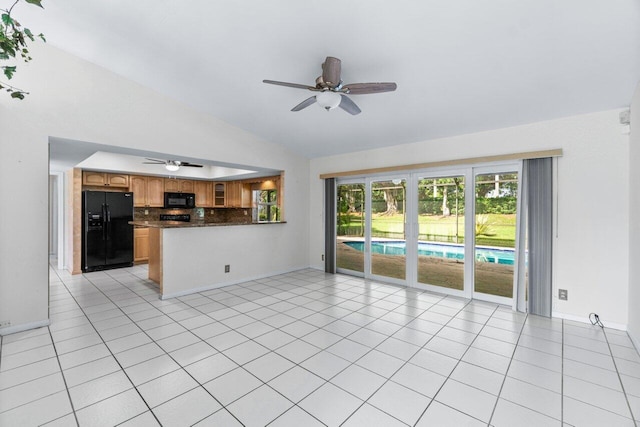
[332, 92]
[171, 165]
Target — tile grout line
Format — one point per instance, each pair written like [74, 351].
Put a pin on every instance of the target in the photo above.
[506, 373]
[624, 391]
[64, 379]
[110, 351]
[165, 352]
[562, 375]
[458, 363]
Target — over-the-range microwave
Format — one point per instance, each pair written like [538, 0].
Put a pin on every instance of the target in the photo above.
[179, 200]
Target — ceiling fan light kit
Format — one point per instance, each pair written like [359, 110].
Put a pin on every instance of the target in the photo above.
[328, 100]
[332, 91]
[171, 165]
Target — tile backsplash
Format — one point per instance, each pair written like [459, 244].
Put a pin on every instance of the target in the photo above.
[230, 215]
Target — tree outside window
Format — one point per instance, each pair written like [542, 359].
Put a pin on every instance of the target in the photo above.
[265, 206]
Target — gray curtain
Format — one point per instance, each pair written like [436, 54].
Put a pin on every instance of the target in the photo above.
[539, 234]
[330, 225]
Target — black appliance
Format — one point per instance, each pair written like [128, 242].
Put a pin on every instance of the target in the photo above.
[178, 217]
[107, 236]
[179, 200]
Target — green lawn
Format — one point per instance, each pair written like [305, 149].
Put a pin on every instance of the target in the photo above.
[499, 230]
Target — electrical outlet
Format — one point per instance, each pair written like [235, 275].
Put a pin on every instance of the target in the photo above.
[212, 211]
[563, 294]
[146, 211]
[227, 268]
[5, 323]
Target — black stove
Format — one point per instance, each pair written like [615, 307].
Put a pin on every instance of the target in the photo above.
[178, 217]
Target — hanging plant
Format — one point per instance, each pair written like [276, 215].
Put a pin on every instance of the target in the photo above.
[13, 45]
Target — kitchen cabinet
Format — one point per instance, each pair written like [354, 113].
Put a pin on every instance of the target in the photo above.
[219, 195]
[238, 194]
[148, 191]
[140, 244]
[173, 185]
[104, 179]
[204, 193]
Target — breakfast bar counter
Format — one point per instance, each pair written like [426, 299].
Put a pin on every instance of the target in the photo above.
[188, 257]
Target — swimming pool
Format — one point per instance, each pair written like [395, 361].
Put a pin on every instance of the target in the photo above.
[441, 250]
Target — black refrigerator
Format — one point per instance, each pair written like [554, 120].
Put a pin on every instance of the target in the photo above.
[107, 236]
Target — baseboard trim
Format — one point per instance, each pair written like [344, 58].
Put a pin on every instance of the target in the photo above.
[565, 316]
[229, 283]
[23, 327]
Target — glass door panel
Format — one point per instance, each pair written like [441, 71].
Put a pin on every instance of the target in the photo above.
[350, 227]
[495, 231]
[388, 219]
[440, 203]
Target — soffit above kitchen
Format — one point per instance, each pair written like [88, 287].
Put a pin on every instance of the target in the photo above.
[461, 66]
[66, 153]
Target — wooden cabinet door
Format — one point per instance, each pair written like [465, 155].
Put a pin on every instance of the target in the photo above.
[117, 180]
[204, 193]
[171, 185]
[94, 178]
[105, 179]
[140, 244]
[187, 186]
[155, 192]
[245, 195]
[138, 185]
[219, 195]
[233, 194]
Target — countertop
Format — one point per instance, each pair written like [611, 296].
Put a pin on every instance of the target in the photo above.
[195, 223]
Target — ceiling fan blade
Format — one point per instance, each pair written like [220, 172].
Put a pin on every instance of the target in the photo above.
[366, 88]
[348, 105]
[155, 161]
[331, 71]
[192, 165]
[295, 85]
[304, 104]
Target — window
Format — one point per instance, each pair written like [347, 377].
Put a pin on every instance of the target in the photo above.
[265, 204]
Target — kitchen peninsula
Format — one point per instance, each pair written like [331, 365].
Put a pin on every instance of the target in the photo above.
[188, 257]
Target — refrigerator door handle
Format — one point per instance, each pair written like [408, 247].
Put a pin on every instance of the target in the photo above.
[108, 222]
[104, 222]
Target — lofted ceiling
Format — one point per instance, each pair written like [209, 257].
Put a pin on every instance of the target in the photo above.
[461, 66]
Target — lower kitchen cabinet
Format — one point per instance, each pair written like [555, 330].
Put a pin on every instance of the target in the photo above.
[140, 245]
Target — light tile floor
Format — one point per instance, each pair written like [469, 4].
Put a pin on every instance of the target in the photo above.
[307, 349]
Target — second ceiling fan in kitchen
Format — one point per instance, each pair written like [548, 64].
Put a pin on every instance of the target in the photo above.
[171, 165]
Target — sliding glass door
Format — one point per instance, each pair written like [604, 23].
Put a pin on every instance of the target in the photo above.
[350, 227]
[440, 223]
[496, 201]
[447, 230]
[388, 236]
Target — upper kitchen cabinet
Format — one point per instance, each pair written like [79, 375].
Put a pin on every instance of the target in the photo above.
[148, 191]
[173, 185]
[219, 195]
[238, 194]
[104, 179]
[204, 193]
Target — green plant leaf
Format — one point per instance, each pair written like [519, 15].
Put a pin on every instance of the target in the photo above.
[8, 71]
[36, 2]
[6, 19]
[18, 95]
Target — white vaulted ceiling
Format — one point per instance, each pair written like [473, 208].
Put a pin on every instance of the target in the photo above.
[461, 66]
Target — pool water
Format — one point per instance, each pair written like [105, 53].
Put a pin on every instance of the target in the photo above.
[441, 250]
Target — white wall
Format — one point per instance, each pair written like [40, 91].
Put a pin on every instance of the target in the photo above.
[208, 249]
[593, 185]
[634, 220]
[71, 98]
